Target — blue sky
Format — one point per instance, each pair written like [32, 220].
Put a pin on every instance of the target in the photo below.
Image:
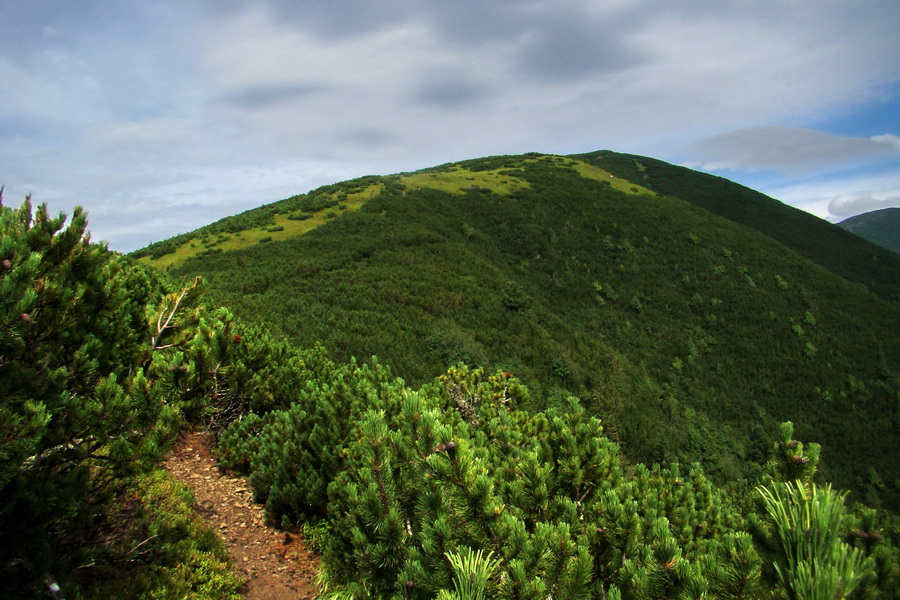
[159, 117]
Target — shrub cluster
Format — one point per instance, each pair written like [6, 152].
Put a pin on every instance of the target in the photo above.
[425, 492]
[101, 361]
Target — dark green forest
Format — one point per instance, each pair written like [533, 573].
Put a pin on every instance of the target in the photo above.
[690, 335]
[823, 243]
[881, 227]
[587, 386]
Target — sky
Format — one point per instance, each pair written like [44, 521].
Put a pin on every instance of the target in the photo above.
[159, 117]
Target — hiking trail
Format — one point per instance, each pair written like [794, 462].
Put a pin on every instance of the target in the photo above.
[276, 564]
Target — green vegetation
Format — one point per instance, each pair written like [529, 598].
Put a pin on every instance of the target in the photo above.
[453, 491]
[101, 360]
[520, 309]
[291, 217]
[825, 244]
[166, 552]
[690, 335]
[456, 179]
[74, 424]
[814, 562]
[880, 227]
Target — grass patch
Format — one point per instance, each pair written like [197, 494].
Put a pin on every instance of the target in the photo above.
[166, 552]
[459, 180]
[284, 227]
[594, 172]
[455, 180]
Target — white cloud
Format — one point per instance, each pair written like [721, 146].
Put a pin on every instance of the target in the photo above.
[848, 205]
[789, 149]
[53, 91]
[835, 198]
[154, 106]
[144, 135]
[888, 139]
[632, 76]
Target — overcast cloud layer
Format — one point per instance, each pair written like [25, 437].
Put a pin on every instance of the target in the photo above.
[162, 116]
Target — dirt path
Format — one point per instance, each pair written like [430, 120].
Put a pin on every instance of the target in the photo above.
[276, 565]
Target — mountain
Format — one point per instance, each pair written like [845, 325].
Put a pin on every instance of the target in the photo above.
[689, 313]
[823, 243]
[880, 227]
[467, 482]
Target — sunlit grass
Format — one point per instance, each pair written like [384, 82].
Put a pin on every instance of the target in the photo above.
[458, 179]
[594, 172]
[454, 180]
[282, 228]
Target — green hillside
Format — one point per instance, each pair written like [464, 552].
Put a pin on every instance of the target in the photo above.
[823, 243]
[461, 487]
[880, 227]
[689, 334]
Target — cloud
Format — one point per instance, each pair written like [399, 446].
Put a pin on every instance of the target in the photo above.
[149, 105]
[848, 205]
[888, 139]
[570, 75]
[266, 95]
[450, 94]
[367, 137]
[330, 21]
[51, 90]
[816, 195]
[562, 47]
[789, 149]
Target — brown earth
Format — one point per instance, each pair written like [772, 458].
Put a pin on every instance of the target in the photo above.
[276, 565]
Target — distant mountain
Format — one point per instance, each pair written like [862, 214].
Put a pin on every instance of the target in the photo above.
[880, 227]
[690, 313]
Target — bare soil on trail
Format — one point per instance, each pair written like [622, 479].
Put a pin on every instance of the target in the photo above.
[276, 565]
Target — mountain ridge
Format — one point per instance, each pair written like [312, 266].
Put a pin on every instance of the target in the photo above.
[300, 214]
[691, 334]
[880, 227]
[779, 221]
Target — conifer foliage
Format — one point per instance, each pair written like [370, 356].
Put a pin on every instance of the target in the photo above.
[808, 533]
[814, 562]
[78, 411]
[433, 490]
[452, 491]
[100, 361]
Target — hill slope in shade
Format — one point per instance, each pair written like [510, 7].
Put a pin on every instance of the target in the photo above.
[688, 333]
[825, 244]
[880, 227]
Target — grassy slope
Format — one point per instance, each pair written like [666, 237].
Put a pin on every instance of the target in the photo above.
[282, 220]
[880, 227]
[690, 334]
[301, 214]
